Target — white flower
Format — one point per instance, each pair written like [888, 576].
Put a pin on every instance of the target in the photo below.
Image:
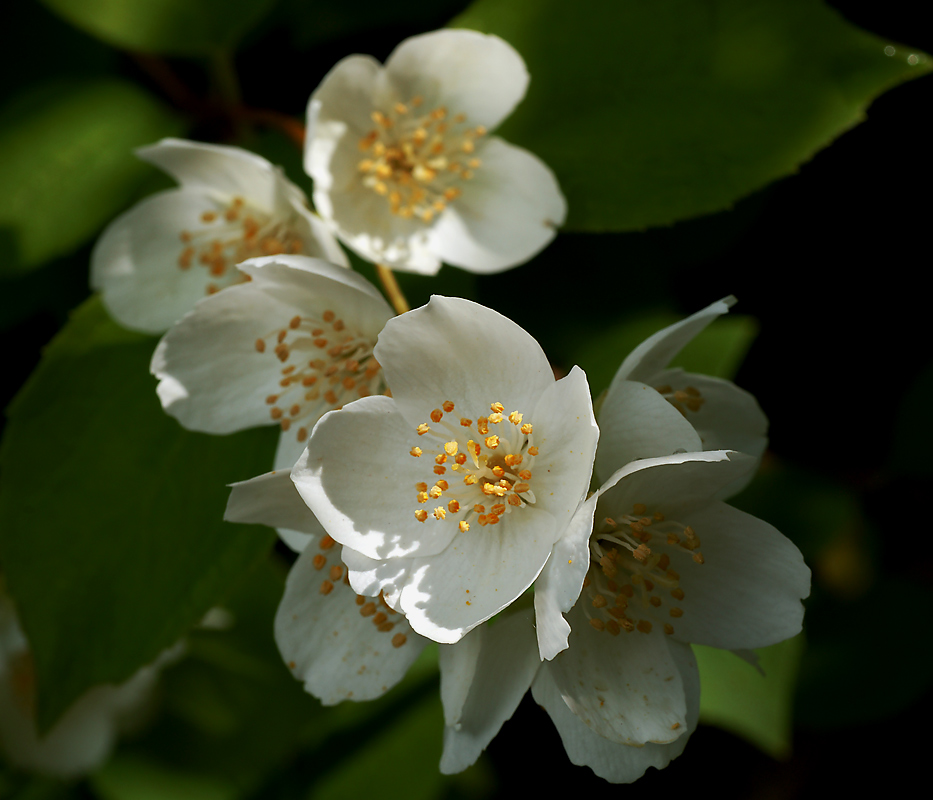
[452, 493]
[342, 645]
[292, 343]
[702, 413]
[624, 695]
[84, 736]
[153, 262]
[404, 166]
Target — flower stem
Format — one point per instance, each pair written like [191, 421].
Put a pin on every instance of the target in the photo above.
[392, 289]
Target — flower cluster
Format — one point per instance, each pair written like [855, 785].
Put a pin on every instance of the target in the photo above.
[436, 480]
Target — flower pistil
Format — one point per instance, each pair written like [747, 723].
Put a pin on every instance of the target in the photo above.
[628, 581]
[417, 160]
[494, 469]
[322, 361]
[230, 235]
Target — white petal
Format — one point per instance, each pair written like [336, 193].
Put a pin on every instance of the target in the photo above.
[747, 593]
[135, 262]
[454, 349]
[370, 577]
[339, 107]
[508, 212]
[636, 422]
[468, 72]
[618, 763]
[558, 586]
[480, 573]
[656, 352]
[332, 642]
[491, 676]
[212, 378]
[676, 485]
[221, 171]
[565, 433]
[363, 219]
[729, 418]
[271, 499]
[626, 688]
[316, 237]
[359, 478]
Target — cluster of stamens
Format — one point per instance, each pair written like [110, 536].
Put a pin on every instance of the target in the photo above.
[375, 610]
[629, 582]
[687, 399]
[231, 236]
[489, 476]
[418, 160]
[324, 366]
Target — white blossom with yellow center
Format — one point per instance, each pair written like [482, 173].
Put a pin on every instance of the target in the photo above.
[342, 645]
[155, 261]
[666, 564]
[451, 494]
[404, 165]
[284, 348]
[701, 412]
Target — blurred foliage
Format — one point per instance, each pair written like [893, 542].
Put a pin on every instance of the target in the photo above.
[170, 27]
[650, 113]
[755, 705]
[653, 112]
[68, 164]
[112, 514]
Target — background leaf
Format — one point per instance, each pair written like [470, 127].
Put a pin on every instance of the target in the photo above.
[172, 27]
[68, 166]
[111, 532]
[737, 697]
[654, 112]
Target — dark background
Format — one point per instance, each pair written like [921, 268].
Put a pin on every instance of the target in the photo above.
[830, 261]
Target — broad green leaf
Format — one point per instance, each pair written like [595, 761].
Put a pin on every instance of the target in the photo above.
[737, 697]
[39, 45]
[171, 27]
[68, 166]
[111, 532]
[717, 351]
[651, 112]
[135, 778]
[401, 763]
[311, 24]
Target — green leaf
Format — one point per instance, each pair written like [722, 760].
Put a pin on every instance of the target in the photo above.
[402, 761]
[735, 696]
[111, 531]
[68, 165]
[170, 27]
[311, 24]
[718, 350]
[651, 112]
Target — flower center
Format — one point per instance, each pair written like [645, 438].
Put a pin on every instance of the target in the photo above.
[490, 476]
[417, 161]
[378, 613]
[629, 582]
[688, 399]
[231, 236]
[324, 366]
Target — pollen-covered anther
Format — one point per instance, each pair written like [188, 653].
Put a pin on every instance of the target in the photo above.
[642, 553]
[492, 442]
[415, 451]
[515, 418]
[527, 428]
[421, 515]
[464, 526]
